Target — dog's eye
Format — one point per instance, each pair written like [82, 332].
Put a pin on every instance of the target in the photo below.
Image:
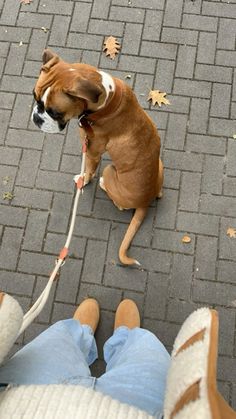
[40, 105]
[54, 114]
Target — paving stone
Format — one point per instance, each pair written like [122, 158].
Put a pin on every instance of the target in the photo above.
[52, 152]
[226, 271]
[118, 277]
[13, 216]
[4, 120]
[220, 100]
[35, 230]
[21, 111]
[158, 50]
[206, 48]
[172, 241]
[32, 198]
[126, 14]
[60, 212]
[230, 186]
[176, 132]
[199, 114]
[9, 13]
[182, 160]
[68, 282]
[166, 209]
[173, 13]
[221, 127]
[93, 267]
[88, 41]
[100, 9]
[213, 174]
[206, 255]
[80, 19]
[108, 298]
[213, 73]
[218, 205]
[106, 27]
[61, 7]
[231, 155]
[132, 38]
[227, 245]
[179, 36]
[155, 302]
[10, 247]
[36, 263]
[152, 25]
[192, 88]
[34, 20]
[198, 223]
[222, 10]
[141, 64]
[57, 36]
[28, 168]
[25, 139]
[16, 283]
[226, 330]
[212, 292]
[165, 75]
[201, 23]
[206, 144]
[181, 277]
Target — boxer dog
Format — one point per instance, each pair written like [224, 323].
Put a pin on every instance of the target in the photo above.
[113, 121]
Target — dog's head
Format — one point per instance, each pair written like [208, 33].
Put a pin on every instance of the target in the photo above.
[64, 91]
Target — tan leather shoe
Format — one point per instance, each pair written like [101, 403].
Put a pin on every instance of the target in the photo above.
[127, 314]
[88, 313]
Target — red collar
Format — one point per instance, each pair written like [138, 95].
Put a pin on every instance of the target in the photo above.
[88, 119]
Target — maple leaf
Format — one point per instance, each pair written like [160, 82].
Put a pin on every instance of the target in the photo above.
[158, 97]
[8, 195]
[231, 232]
[25, 1]
[186, 239]
[111, 47]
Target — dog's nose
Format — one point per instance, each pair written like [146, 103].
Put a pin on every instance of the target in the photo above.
[37, 120]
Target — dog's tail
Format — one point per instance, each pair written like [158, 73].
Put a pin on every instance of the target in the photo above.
[135, 223]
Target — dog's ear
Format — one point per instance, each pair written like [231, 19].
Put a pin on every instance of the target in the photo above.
[49, 59]
[84, 89]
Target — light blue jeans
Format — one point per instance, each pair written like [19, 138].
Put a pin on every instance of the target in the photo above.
[137, 363]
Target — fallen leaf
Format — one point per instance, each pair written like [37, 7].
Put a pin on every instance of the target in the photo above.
[111, 47]
[128, 76]
[231, 232]
[186, 239]
[234, 136]
[158, 97]
[8, 195]
[20, 44]
[44, 29]
[25, 1]
[6, 179]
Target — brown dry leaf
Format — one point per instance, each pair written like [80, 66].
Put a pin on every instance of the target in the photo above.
[231, 232]
[186, 239]
[25, 1]
[111, 47]
[158, 97]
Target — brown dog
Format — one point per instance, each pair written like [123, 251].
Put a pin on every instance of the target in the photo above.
[113, 120]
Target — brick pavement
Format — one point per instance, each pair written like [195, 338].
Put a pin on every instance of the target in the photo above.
[183, 47]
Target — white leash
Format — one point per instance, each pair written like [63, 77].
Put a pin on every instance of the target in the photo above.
[42, 299]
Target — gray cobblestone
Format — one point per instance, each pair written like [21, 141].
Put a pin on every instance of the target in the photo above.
[213, 175]
[206, 48]
[220, 100]
[35, 230]
[10, 247]
[206, 255]
[199, 114]
[198, 223]
[80, 18]
[206, 144]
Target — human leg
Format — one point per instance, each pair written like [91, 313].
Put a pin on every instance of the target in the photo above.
[137, 365]
[62, 353]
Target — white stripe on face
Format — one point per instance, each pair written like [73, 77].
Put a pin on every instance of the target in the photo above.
[48, 125]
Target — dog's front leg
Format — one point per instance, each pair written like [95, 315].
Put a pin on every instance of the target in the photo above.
[91, 164]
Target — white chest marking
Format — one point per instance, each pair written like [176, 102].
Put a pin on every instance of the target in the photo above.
[107, 82]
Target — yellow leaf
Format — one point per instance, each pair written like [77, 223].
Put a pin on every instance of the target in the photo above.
[186, 239]
[8, 196]
[111, 47]
[158, 97]
[231, 232]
